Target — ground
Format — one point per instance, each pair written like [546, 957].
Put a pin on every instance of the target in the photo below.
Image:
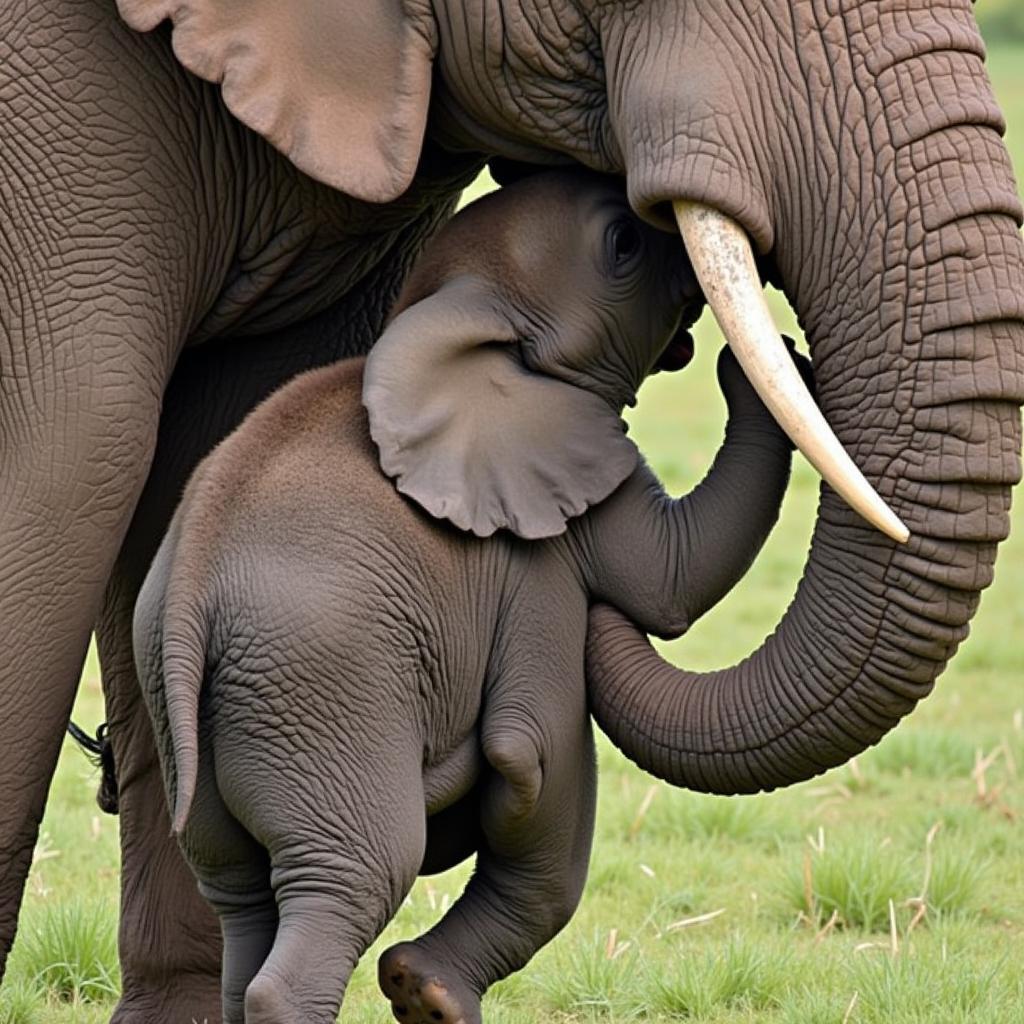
[890, 891]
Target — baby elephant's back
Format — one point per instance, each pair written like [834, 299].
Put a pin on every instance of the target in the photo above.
[308, 533]
[305, 461]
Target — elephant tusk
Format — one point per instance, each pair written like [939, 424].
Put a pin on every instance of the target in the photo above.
[724, 263]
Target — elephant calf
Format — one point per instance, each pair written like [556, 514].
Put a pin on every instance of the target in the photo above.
[340, 683]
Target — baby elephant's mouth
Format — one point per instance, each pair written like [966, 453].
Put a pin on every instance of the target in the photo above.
[679, 351]
[677, 354]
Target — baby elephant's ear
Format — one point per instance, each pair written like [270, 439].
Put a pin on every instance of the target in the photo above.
[473, 435]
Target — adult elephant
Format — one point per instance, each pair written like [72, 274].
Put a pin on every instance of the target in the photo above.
[856, 143]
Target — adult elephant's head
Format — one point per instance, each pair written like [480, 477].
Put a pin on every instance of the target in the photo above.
[857, 143]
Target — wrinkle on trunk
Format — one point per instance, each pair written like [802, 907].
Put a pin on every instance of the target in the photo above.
[913, 304]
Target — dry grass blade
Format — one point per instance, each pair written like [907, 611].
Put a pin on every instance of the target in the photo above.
[850, 1008]
[920, 908]
[43, 850]
[809, 886]
[863, 947]
[817, 843]
[645, 806]
[980, 770]
[988, 796]
[928, 840]
[613, 949]
[692, 922]
[827, 927]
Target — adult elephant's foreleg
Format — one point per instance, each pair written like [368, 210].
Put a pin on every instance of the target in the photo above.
[169, 939]
[79, 402]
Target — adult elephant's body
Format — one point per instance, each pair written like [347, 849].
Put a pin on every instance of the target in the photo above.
[857, 142]
[138, 220]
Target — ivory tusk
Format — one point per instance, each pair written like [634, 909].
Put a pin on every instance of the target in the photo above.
[724, 264]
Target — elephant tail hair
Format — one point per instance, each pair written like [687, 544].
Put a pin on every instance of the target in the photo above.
[186, 631]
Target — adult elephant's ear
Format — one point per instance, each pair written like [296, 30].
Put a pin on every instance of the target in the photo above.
[474, 435]
[341, 87]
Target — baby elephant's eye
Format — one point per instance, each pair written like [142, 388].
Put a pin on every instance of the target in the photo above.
[624, 243]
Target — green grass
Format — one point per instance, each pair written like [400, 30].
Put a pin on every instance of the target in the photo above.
[1002, 22]
[699, 908]
[927, 753]
[737, 975]
[70, 952]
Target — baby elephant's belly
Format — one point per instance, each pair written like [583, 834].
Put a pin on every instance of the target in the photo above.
[452, 777]
[452, 795]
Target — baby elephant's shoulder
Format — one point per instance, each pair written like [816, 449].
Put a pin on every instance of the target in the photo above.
[322, 406]
[306, 447]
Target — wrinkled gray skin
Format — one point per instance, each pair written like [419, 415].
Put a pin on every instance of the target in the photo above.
[145, 231]
[327, 666]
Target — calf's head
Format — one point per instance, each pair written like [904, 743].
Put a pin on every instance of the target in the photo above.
[531, 320]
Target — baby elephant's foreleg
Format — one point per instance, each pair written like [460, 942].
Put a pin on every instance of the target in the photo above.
[537, 817]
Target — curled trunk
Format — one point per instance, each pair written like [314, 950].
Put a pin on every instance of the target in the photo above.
[872, 625]
[913, 306]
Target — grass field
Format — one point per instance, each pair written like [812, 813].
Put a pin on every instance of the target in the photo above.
[890, 891]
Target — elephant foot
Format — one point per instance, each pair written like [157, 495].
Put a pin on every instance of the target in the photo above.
[266, 1003]
[421, 992]
[189, 998]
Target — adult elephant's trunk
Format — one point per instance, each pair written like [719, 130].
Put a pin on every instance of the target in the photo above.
[907, 274]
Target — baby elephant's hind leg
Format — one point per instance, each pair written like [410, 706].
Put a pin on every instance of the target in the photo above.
[248, 921]
[344, 847]
[234, 877]
[537, 817]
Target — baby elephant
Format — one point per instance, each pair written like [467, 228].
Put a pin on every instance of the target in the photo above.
[347, 691]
